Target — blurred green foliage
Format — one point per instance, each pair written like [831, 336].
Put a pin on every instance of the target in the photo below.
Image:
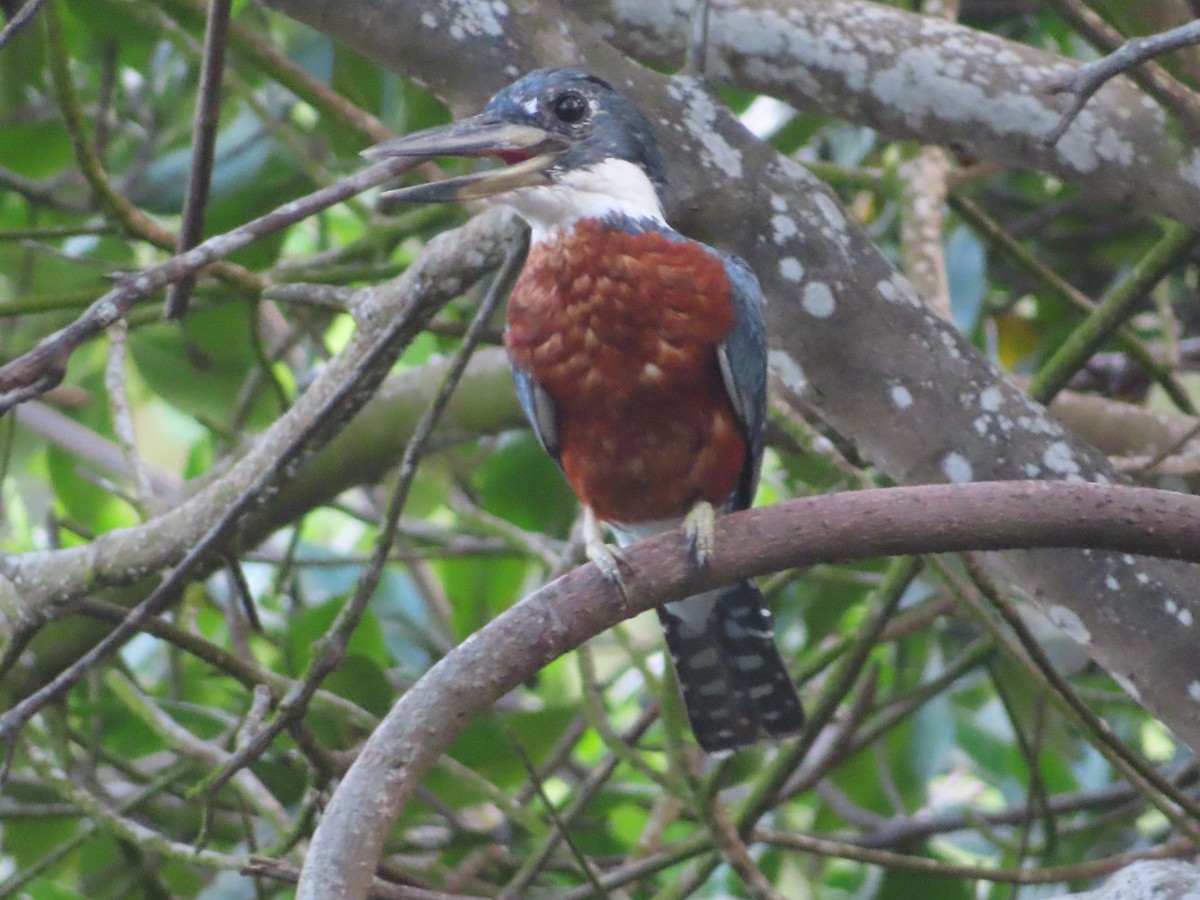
[485, 515]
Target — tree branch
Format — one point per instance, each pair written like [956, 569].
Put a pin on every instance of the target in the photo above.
[833, 527]
[391, 313]
[851, 339]
[903, 74]
[35, 372]
[1123, 57]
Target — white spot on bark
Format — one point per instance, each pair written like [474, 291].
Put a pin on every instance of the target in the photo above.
[789, 372]
[1059, 457]
[1070, 623]
[1129, 687]
[901, 397]
[833, 212]
[477, 18]
[1181, 614]
[700, 117]
[990, 399]
[957, 468]
[818, 300]
[791, 269]
[783, 227]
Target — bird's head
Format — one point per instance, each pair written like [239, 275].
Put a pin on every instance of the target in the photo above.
[573, 147]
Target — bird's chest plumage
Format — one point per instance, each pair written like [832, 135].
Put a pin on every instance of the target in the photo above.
[621, 329]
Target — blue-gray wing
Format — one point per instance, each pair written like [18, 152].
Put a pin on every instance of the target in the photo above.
[743, 358]
[539, 410]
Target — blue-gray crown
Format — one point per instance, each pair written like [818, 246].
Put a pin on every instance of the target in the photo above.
[599, 121]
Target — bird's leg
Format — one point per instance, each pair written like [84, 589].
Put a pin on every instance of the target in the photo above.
[606, 557]
[700, 525]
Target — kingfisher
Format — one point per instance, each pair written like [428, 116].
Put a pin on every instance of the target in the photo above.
[640, 360]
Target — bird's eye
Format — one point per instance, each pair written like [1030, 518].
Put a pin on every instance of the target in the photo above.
[570, 107]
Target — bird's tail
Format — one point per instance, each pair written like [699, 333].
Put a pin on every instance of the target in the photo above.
[734, 684]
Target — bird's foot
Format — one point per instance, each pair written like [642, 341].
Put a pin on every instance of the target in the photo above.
[700, 526]
[608, 559]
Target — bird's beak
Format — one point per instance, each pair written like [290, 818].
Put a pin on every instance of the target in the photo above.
[529, 151]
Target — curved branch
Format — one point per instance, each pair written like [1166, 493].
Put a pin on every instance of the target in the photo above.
[930, 519]
[850, 337]
[921, 78]
[31, 581]
[41, 368]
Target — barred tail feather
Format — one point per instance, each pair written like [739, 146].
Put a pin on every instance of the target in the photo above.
[734, 684]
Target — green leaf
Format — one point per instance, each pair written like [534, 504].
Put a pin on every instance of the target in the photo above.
[521, 483]
[310, 625]
[480, 589]
[201, 364]
[904, 884]
[35, 150]
[363, 681]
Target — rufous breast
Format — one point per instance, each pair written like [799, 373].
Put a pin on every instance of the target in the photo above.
[621, 328]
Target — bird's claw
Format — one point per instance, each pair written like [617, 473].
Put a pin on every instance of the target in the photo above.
[700, 526]
[608, 559]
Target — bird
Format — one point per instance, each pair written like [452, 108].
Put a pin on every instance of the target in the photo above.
[639, 357]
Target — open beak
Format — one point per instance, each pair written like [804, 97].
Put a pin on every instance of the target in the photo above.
[529, 151]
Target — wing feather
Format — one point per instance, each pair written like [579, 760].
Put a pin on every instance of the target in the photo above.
[539, 410]
[743, 359]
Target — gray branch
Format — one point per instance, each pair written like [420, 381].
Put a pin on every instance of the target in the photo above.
[850, 337]
[926, 79]
[850, 525]
[31, 582]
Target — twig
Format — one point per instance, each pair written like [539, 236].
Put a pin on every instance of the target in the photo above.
[122, 415]
[263, 867]
[734, 851]
[923, 207]
[327, 101]
[116, 205]
[1049, 875]
[696, 60]
[329, 403]
[835, 744]
[597, 778]
[796, 532]
[204, 140]
[766, 789]
[117, 824]
[922, 226]
[330, 649]
[1112, 311]
[1119, 796]
[26, 12]
[994, 232]
[187, 744]
[93, 448]
[1176, 805]
[87, 828]
[43, 367]
[597, 718]
[900, 574]
[1084, 81]
[52, 232]
[245, 672]
[561, 831]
